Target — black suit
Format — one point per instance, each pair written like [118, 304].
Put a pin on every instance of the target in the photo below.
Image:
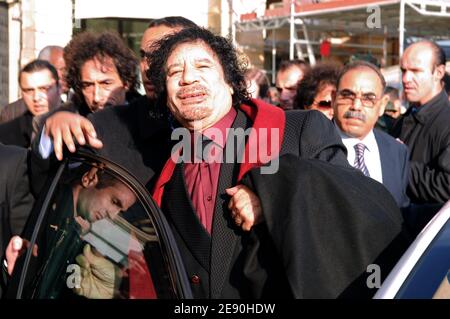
[16, 200]
[134, 137]
[12, 110]
[394, 158]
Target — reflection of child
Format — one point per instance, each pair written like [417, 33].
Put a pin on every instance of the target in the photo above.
[443, 291]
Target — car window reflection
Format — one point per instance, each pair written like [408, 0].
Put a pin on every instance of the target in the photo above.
[97, 241]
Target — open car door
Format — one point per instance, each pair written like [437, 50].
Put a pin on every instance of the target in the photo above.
[97, 233]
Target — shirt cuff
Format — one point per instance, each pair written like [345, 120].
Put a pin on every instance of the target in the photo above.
[45, 145]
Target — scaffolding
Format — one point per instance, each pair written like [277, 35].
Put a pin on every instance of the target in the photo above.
[402, 19]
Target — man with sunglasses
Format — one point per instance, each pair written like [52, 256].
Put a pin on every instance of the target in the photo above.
[315, 90]
[357, 103]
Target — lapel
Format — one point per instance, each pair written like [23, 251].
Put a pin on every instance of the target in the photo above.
[224, 232]
[385, 158]
[178, 207]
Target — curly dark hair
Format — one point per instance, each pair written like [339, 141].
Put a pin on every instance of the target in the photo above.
[313, 81]
[86, 46]
[233, 67]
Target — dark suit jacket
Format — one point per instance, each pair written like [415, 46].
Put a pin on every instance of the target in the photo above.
[17, 131]
[135, 137]
[16, 200]
[12, 110]
[394, 159]
[326, 228]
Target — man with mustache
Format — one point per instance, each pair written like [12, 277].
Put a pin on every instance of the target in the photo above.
[208, 208]
[425, 128]
[357, 104]
[199, 77]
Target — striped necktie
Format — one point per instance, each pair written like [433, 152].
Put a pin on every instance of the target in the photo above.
[359, 159]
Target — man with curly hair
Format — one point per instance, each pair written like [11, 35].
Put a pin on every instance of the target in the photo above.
[198, 76]
[101, 70]
[315, 90]
[212, 205]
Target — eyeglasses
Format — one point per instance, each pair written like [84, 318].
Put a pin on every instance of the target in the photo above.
[348, 97]
[323, 104]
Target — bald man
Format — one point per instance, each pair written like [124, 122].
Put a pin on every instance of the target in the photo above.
[425, 128]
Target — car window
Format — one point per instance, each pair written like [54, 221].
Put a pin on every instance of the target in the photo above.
[430, 276]
[98, 239]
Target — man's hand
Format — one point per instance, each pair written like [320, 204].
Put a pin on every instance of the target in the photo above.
[63, 126]
[15, 248]
[98, 275]
[245, 207]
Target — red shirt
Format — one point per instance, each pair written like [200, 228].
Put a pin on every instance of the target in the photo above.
[202, 177]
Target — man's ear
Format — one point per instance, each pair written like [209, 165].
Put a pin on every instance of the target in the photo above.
[439, 72]
[384, 101]
[90, 178]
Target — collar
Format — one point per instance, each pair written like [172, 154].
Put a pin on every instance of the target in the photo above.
[431, 108]
[369, 140]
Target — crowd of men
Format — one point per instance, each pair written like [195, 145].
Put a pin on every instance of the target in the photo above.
[242, 233]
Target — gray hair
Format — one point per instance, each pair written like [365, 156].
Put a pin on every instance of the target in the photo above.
[46, 52]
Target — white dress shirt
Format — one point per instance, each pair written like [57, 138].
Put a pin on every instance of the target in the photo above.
[371, 154]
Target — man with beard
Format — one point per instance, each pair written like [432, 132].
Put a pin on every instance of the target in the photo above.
[358, 103]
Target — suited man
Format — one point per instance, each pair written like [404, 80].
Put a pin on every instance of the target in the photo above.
[54, 55]
[39, 83]
[358, 103]
[208, 234]
[16, 200]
